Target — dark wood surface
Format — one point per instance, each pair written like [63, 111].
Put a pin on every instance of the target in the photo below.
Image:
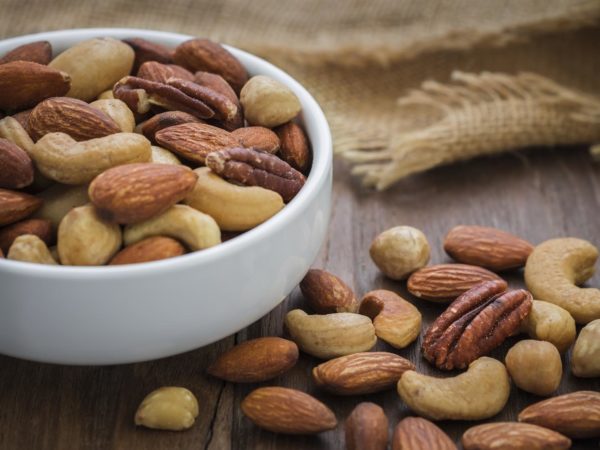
[537, 194]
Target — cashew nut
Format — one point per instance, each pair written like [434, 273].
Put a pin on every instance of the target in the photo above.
[235, 208]
[59, 200]
[479, 393]
[400, 251]
[556, 267]
[168, 408]
[118, 111]
[549, 322]
[30, 248]
[195, 229]
[61, 158]
[585, 359]
[163, 156]
[330, 335]
[84, 239]
[106, 95]
[396, 321]
[534, 366]
[11, 129]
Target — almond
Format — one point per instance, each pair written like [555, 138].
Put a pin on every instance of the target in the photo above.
[194, 141]
[294, 146]
[24, 84]
[133, 193]
[155, 71]
[416, 433]
[326, 293]
[256, 360]
[15, 206]
[445, 282]
[206, 55]
[71, 116]
[164, 120]
[361, 373]
[513, 436]
[23, 118]
[16, 167]
[289, 411]
[148, 51]
[41, 228]
[38, 52]
[259, 138]
[487, 247]
[367, 428]
[576, 415]
[151, 249]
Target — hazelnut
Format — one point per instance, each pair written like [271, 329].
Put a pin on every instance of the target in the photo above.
[168, 408]
[535, 366]
[268, 102]
[400, 251]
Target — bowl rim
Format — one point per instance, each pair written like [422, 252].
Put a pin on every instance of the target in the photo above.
[320, 169]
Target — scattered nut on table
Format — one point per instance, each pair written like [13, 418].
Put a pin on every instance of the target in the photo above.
[549, 322]
[585, 358]
[168, 408]
[326, 293]
[535, 366]
[416, 433]
[366, 428]
[514, 436]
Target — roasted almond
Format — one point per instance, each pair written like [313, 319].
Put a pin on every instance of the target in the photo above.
[16, 167]
[576, 415]
[289, 411]
[24, 84]
[256, 360]
[326, 293]
[39, 227]
[361, 373]
[71, 116]
[259, 138]
[38, 52]
[194, 141]
[164, 120]
[367, 428]
[23, 118]
[294, 146]
[444, 282]
[416, 433]
[206, 55]
[148, 51]
[150, 249]
[15, 206]
[487, 247]
[513, 436]
[132, 193]
[155, 71]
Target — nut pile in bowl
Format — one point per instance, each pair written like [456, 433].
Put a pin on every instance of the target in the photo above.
[121, 152]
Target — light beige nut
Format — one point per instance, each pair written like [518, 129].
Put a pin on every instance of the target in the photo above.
[554, 270]
[117, 111]
[84, 239]
[11, 129]
[59, 200]
[480, 392]
[366, 428]
[396, 321]
[168, 408]
[268, 102]
[535, 366]
[325, 293]
[234, 208]
[330, 335]
[94, 66]
[67, 161]
[195, 229]
[549, 322]
[585, 358]
[513, 436]
[400, 251]
[416, 433]
[30, 248]
[163, 156]
[106, 95]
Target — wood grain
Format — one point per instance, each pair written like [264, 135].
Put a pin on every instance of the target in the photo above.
[538, 195]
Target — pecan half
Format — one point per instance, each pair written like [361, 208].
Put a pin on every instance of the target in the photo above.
[224, 108]
[474, 324]
[255, 168]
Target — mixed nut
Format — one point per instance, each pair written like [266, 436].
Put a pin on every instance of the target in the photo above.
[482, 314]
[126, 151]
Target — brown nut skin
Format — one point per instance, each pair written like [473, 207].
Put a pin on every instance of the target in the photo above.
[513, 436]
[16, 167]
[164, 120]
[361, 373]
[576, 414]
[38, 227]
[288, 411]
[132, 193]
[396, 321]
[295, 149]
[416, 433]
[151, 249]
[487, 247]
[534, 366]
[148, 51]
[259, 138]
[255, 360]
[585, 358]
[38, 52]
[16, 206]
[366, 428]
[326, 293]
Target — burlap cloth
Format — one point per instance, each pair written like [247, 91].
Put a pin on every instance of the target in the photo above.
[357, 57]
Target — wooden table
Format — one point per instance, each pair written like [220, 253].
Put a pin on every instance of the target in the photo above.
[537, 194]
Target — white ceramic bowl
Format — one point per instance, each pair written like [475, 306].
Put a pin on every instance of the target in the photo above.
[111, 315]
